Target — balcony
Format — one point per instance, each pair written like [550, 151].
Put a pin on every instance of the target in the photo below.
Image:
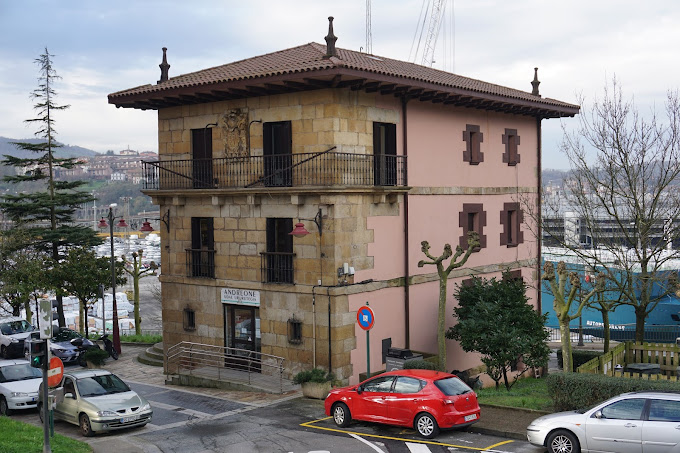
[326, 169]
[200, 263]
[276, 267]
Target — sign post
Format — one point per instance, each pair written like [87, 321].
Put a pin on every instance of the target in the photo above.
[366, 319]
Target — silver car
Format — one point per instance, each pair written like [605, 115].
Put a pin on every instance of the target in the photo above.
[98, 401]
[642, 422]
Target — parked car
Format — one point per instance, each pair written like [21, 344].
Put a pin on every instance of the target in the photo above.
[60, 344]
[99, 401]
[13, 332]
[636, 421]
[19, 383]
[423, 399]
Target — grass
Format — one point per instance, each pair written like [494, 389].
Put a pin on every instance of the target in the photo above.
[18, 437]
[527, 393]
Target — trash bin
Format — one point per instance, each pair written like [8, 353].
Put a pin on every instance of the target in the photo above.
[396, 357]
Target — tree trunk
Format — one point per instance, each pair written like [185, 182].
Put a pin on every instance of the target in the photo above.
[441, 330]
[138, 320]
[567, 365]
[81, 320]
[606, 330]
[640, 316]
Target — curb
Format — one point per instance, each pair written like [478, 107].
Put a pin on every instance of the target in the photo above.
[497, 432]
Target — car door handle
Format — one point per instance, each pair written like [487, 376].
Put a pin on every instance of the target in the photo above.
[630, 425]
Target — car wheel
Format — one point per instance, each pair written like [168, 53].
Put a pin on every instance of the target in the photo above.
[41, 413]
[85, 426]
[114, 354]
[426, 426]
[341, 415]
[562, 441]
[4, 408]
[3, 352]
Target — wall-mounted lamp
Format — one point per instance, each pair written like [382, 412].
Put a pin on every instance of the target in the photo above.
[300, 230]
[146, 225]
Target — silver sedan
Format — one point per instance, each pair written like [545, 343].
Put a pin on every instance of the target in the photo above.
[98, 401]
[637, 422]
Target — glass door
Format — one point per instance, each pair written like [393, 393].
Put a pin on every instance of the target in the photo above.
[242, 326]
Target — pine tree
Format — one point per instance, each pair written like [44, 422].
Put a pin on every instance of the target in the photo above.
[47, 216]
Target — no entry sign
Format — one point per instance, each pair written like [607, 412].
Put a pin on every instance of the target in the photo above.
[365, 318]
[55, 372]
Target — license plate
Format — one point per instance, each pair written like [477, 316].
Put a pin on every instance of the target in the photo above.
[470, 417]
[129, 419]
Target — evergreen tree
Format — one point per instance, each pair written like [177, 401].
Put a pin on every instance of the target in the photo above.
[47, 216]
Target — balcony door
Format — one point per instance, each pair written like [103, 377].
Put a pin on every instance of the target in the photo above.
[278, 146]
[201, 155]
[384, 154]
[202, 247]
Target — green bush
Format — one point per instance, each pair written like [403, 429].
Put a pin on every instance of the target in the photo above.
[419, 364]
[95, 356]
[579, 357]
[143, 338]
[315, 375]
[571, 391]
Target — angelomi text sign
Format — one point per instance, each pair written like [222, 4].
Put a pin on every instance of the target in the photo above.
[240, 297]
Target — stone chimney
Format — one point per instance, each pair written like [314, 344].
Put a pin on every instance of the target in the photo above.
[330, 40]
[164, 67]
[535, 83]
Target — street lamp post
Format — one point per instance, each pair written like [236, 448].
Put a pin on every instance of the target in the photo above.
[122, 224]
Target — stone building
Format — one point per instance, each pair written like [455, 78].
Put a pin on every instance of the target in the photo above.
[368, 155]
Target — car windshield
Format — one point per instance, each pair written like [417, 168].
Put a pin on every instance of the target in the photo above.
[14, 327]
[101, 385]
[66, 335]
[452, 386]
[19, 372]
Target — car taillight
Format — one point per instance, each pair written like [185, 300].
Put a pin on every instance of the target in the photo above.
[447, 401]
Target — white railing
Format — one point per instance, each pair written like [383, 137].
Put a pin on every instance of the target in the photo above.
[226, 364]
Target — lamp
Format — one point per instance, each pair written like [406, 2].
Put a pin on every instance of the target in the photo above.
[165, 218]
[300, 230]
[121, 224]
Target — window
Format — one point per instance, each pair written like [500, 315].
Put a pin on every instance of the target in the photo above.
[294, 331]
[624, 410]
[405, 384]
[472, 218]
[278, 260]
[511, 141]
[384, 154]
[473, 139]
[189, 319]
[379, 384]
[664, 411]
[513, 275]
[201, 256]
[511, 218]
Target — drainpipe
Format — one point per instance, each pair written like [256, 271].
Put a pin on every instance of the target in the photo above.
[314, 326]
[407, 276]
[328, 293]
[538, 209]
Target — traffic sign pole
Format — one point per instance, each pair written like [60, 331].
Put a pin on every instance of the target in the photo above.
[366, 319]
[368, 354]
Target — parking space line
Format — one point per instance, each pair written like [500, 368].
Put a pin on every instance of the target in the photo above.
[359, 438]
[311, 424]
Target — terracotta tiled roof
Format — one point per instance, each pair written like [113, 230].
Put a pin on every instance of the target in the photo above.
[308, 61]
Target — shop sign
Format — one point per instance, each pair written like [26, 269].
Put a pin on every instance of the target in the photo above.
[240, 297]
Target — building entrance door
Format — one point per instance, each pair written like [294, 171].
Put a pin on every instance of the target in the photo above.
[242, 336]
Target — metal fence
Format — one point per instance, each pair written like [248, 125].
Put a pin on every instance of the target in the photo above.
[622, 332]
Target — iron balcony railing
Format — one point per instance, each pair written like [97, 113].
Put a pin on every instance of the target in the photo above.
[287, 170]
[200, 263]
[276, 267]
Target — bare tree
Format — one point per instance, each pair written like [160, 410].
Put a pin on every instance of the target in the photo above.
[624, 198]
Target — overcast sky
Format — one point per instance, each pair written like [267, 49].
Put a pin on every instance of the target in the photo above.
[103, 47]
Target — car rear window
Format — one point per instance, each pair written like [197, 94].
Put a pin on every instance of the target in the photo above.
[452, 386]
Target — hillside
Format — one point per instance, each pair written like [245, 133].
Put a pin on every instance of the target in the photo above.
[6, 148]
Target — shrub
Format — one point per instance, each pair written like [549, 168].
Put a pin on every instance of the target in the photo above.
[576, 391]
[314, 375]
[579, 357]
[95, 356]
[419, 364]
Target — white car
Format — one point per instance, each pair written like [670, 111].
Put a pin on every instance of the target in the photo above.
[13, 332]
[640, 422]
[19, 383]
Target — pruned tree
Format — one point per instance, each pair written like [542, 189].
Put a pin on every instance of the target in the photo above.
[24, 278]
[566, 290]
[495, 320]
[457, 261]
[137, 271]
[46, 216]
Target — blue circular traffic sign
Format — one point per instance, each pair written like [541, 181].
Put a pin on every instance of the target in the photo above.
[365, 318]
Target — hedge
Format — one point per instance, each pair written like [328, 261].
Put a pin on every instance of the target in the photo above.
[419, 364]
[571, 391]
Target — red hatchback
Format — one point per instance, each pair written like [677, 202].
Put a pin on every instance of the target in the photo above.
[423, 399]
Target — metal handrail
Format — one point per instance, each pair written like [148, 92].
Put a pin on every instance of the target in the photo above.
[198, 358]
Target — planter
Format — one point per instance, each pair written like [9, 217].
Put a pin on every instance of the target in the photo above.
[316, 390]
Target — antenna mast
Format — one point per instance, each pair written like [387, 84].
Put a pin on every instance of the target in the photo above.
[369, 36]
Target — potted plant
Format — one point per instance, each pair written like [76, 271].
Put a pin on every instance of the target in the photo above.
[315, 383]
[94, 357]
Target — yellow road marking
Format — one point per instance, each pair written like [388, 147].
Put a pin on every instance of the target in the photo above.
[310, 423]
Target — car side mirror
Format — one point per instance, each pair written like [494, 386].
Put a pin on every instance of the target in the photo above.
[359, 390]
[598, 414]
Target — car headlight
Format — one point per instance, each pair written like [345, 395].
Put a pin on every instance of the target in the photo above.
[13, 340]
[146, 407]
[56, 347]
[19, 394]
[107, 414]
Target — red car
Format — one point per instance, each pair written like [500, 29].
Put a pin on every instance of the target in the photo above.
[423, 399]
